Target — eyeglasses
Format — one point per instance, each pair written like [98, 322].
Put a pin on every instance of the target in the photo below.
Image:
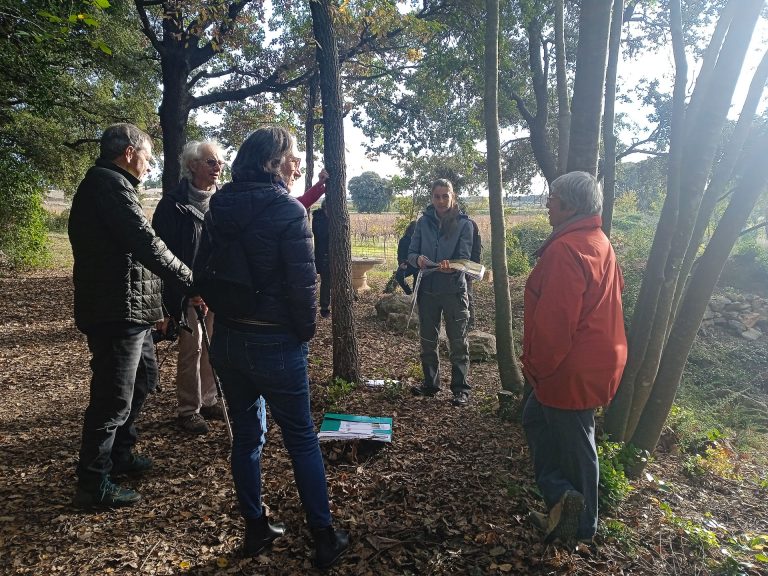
[212, 162]
[294, 160]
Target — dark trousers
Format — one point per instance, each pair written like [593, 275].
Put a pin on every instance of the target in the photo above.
[454, 309]
[471, 298]
[562, 445]
[325, 289]
[124, 371]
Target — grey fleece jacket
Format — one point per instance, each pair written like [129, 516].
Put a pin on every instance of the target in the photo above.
[437, 244]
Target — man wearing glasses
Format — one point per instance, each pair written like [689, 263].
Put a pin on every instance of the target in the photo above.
[291, 171]
[119, 264]
[178, 220]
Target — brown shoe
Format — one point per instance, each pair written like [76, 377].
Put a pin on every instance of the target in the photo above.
[213, 412]
[193, 424]
[564, 517]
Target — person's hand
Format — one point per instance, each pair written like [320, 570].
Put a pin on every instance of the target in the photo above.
[323, 176]
[162, 325]
[445, 266]
[422, 262]
[198, 301]
[404, 265]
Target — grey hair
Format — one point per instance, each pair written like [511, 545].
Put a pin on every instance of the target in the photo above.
[579, 191]
[118, 137]
[263, 151]
[443, 183]
[191, 151]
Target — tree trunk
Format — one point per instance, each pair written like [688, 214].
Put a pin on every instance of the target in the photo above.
[309, 132]
[174, 114]
[609, 137]
[587, 107]
[509, 371]
[345, 354]
[710, 265]
[563, 102]
[693, 146]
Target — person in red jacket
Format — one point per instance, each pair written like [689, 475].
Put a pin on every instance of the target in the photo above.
[574, 352]
[291, 171]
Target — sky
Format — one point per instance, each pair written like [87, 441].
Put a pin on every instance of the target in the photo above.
[655, 65]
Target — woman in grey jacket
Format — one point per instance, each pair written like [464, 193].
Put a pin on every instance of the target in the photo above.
[442, 233]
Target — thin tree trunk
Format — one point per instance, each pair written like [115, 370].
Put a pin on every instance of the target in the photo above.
[710, 265]
[587, 106]
[346, 363]
[692, 153]
[509, 371]
[563, 102]
[309, 132]
[609, 137]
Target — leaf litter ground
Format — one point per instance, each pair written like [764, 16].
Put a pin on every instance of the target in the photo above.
[449, 495]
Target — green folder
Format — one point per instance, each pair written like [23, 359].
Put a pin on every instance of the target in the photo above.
[354, 427]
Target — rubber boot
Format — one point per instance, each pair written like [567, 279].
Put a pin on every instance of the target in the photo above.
[260, 533]
[330, 544]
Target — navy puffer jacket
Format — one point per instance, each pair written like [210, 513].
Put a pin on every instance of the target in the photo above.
[273, 230]
[119, 261]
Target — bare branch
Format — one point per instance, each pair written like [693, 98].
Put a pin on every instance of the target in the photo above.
[146, 27]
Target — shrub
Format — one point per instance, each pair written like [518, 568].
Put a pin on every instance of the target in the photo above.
[57, 222]
[615, 459]
[522, 242]
[22, 218]
[338, 390]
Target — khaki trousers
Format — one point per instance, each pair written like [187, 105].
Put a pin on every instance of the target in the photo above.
[194, 377]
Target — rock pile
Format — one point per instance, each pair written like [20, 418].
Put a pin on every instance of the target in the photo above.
[743, 314]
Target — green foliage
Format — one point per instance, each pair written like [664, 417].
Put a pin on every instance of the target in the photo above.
[370, 192]
[338, 390]
[57, 222]
[522, 242]
[414, 371]
[615, 459]
[612, 530]
[23, 240]
[393, 389]
[697, 535]
[718, 459]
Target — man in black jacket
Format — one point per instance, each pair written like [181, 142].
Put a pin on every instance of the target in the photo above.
[119, 263]
[178, 220]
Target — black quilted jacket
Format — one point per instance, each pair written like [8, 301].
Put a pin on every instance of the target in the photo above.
[119, 261]
[272, 227]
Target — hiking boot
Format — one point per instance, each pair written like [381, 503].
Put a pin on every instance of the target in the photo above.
[213, 412]
[460, 399]
[106, 494]
[539, 520]
[564, 517]
[193, 424]
[423, 390]
[325, 313]
[134, 464]
[330, 544]
[260, 533]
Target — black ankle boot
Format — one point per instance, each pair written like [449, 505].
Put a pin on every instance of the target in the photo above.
[260, 533]
[330, 544]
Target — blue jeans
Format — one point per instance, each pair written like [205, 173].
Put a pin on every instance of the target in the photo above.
[255, 367]
[562, 445]
[124, 371]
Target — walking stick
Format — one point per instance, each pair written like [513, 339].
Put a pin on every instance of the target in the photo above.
[219, 391]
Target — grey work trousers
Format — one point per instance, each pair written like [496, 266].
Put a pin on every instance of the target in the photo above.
[195, 386]
[454, 309]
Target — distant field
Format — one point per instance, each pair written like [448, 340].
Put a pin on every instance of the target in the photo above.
[374, 234]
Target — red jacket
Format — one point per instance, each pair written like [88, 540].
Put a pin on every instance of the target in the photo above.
[312, 195]
[574, 346]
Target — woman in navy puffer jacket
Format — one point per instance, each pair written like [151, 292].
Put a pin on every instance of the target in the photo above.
[260, 351]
